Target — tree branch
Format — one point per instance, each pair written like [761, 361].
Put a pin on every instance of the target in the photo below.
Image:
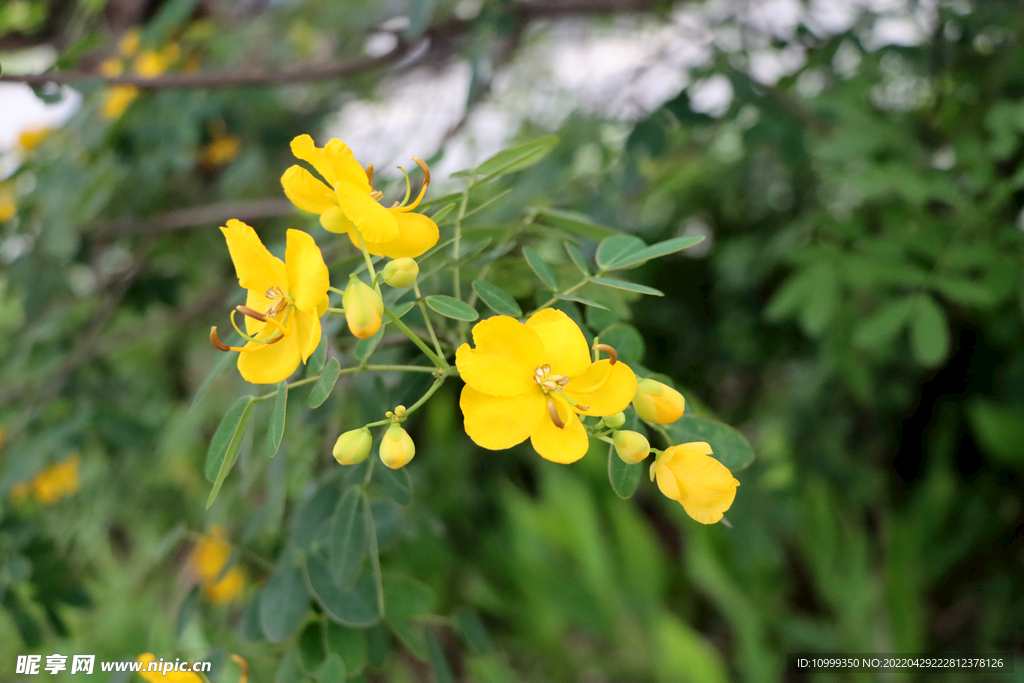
[192, 217]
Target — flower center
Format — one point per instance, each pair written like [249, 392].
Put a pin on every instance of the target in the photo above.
[547, 381]
[278, 301]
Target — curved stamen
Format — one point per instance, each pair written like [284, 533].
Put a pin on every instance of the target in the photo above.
[251, 313]
[369, 174]
[244, 665]
[250, 338]
[553, 413]
[426, 181]
[408, 190]
[221, 346]
[612, 353]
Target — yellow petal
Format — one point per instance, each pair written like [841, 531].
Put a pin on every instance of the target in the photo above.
[501, 335]
[604, 388]
[496, 422]
[307, 273]
[416, 234]
[305, 191]
[255, 300]
[227, 588]
[376, 223]
[666, 481]
[562, 445]
[707, 488]
[565, 348]
[256, 267]
[273, 362]
[335, 220]
[495, 375]
[334, 162]
[307, 329]
[321, 307]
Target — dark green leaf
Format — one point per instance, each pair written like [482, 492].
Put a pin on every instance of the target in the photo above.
[325, 385]
[186, 612]
[576, 223]
[226, 442]
[250, 627]
[311, 646]
[283, 604]
[929, 332]
[581, 300]
[516, 158]
[315, 365]
[881, 328]
[438, 662]
[729, 446]
[624, 478]
[577, 257]
[396, 482]
[410, 633]
[356, 606]
[314, 518]
[618, 249]
[443, 212]
[473, 631]
[332, 670]
[450, 307]
[656, 250]
[223, 362]
[349, 544]
[999, 428]
[497, 299]
[626, 340]
[542, 269]
[275, 428]
[628, 286]
[405, 596]
[366, 347]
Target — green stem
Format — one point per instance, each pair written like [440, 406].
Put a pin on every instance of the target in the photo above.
[426, 316]
[456, 277]
[568, 291]
[339, 311]
[336, 290]
[425, 397]
[366, 255]
[350, 371]
[435, 359]
[371, 533]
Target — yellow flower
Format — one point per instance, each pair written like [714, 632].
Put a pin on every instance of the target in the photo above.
[227, 588]
[631, 447]
[657, 402]
[56, 482]
[117, 100]
[363, 308]
[129, 43]
[158, 675]
[219, 151]
[285, 302]
[111, 68]
[8, 202]
[207, 562]
[703, 486]
[530, 381]
[30, 139]
[152, 63]
[348, 202]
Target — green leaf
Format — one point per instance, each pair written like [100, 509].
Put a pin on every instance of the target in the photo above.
[628, 286]
[624, 478]
[185, 613]
[314, 517]
[332, 670]
[315, 365]
[626, 340]
[226, 442]
[497, 299]
[356, 606]
[542, 269]
[618, 249]
[283, 604]
[410, 633]
[396, 482]
[473, 631]
[884, 325]
[275, 428]
[450, 307]
[929, 332]
[729, 446]
[577, 257]
[443, 199]
[581, 300]
[438, 663]
[366, 347]
[349, 543]
[516, 158]
[443, 213]
[657, 250]
[325, 385]
[999, 428]
[225, 361]
[405, 596]
[575, 223]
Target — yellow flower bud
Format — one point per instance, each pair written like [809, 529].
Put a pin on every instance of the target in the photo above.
[615, 421]
[363, 308]
[352, 447]
[401, 272]
[396, 448]
[657, 402]
[632, 447]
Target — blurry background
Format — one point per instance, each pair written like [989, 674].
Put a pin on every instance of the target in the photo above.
[856, 310]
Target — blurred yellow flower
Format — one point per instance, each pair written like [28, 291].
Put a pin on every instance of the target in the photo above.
[207, 562]
[703, 486]
[30, 139]
[348, 202]
[227, 588]
[57, 481]
[8, 202]
[111, 68]
[284, 305]
[219, 151]
[129, 43]
[152, 63]
[117, 100]
[531, 381]
[158, 676]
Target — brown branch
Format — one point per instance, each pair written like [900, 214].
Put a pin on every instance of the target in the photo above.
[194, 217]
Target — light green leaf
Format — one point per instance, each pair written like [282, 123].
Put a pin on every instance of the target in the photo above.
[450, 307]
[325, 385]
[624, 478]
[317, 359]
[618, 249]
[365, 347]
[438, 662]
[225, 361]
[581, 300]
[473, 631]
[576, 223]
[497, 299]
[883, 326]
[349, 543]
[275, 428]
[729, 446]
[283, 603]
[397, 483]
[226, 442]
[657, 250]
[626, 340]
[356, 606]
[628, 286]
[516, 158]
[929, 332]
[577, 257]
[443, 212]
[542, 269]
[405, 596]
[332, 670]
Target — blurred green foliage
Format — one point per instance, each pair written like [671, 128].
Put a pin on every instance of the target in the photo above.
[858, 312]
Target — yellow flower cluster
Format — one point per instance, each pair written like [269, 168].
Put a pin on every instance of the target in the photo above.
[207, 563]
[53, 483]
[8, 202]
[147, 63]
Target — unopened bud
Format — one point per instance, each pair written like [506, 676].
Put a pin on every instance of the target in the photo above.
[615, 421]
[352, 447]
[363, 308]
[399, 411]
[401, 272]
[657, 402]
[632, 447]
[396, 448]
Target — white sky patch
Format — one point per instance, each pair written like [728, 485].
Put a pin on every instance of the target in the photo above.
[711, 96]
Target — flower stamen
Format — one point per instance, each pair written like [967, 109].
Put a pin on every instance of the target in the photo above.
[553, 413]
[612, 353]
[423, 190]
